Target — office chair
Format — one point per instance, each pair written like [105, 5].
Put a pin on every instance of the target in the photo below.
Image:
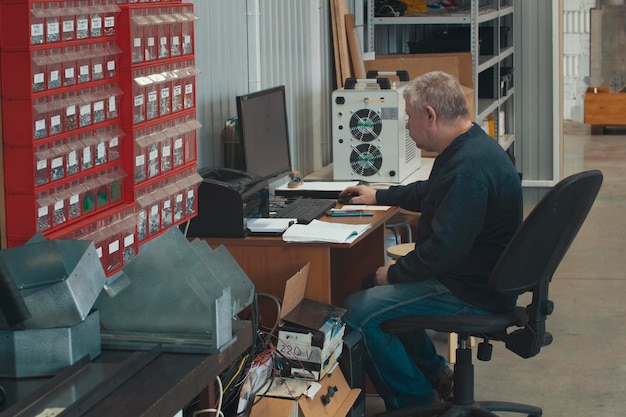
[526, 265]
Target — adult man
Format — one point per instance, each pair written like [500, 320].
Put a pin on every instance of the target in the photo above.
[471, 205]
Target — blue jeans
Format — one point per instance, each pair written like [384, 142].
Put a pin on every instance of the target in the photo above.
[402, 368]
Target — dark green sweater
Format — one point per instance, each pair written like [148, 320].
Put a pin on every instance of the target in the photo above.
[471, 205]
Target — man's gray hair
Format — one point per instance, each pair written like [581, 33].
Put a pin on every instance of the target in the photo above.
[441, 91]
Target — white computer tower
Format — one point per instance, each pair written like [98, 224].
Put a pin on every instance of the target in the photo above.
[370, 140]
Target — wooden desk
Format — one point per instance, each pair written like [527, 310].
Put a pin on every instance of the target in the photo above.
[335, 270]
[160, 389]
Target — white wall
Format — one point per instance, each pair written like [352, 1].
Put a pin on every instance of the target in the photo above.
[576, 43]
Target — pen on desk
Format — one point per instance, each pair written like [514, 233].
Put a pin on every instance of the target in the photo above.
[350, 214]
[346, 210]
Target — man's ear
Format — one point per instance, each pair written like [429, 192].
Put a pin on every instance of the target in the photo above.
[432, 115]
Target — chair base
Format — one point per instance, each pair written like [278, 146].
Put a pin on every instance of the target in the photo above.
[476, 409]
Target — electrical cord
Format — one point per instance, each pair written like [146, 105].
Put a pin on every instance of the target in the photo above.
[236, 373]
[262, 348]
[243, 361]
[186, 228]
[278, 302]
[259, 397]
[218, 410]
[387, 11]
[265, 347]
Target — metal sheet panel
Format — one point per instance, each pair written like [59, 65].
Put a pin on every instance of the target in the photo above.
[170, 291]
[534, 135]
[59, 280]
[221, 54]
[244, 46]
[228, 272]
[44, 352]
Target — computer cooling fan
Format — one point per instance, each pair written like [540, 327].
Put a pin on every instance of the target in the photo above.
[370, 141]
[365, 125]
[366, 160]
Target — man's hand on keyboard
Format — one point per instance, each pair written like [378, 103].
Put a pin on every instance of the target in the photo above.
[362, 194]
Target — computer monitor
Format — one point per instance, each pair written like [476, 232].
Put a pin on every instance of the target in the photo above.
[264, 133]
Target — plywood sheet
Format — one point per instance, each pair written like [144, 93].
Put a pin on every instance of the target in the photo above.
[354, 46]
[457, 64]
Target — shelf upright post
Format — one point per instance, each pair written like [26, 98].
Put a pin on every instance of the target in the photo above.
[370, 26]
[475, 51]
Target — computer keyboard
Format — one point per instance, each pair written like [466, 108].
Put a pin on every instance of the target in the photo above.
[305, 209]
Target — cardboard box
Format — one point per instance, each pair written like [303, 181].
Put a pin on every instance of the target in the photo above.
[334, 403]
[603, 107]
[311, 332]
[458, 64]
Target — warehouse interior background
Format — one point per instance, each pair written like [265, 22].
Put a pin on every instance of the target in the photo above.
[247, 45]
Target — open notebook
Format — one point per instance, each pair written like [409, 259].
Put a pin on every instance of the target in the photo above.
[321, 231]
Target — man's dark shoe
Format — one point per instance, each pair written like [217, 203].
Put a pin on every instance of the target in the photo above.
[444, 385]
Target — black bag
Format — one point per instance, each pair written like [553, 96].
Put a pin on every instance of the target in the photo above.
[389, 8]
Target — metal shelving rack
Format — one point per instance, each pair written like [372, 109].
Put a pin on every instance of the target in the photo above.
[494, 14]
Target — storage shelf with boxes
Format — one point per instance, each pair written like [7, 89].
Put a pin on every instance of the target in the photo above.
[484, 29]
[458, 64]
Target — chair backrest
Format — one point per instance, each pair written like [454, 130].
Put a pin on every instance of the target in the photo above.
[537, 248]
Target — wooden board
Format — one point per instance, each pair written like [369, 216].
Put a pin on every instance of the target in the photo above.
[342, 40]
[333, 24]
[354, 46]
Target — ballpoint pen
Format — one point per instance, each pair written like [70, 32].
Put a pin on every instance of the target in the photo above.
[350, 214]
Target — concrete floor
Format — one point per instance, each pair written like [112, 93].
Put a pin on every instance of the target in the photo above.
[581, 374]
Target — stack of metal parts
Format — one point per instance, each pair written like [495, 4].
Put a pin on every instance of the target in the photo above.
[180, 294]
[46, 318]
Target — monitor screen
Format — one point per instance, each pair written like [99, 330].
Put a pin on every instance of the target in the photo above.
[264, 134]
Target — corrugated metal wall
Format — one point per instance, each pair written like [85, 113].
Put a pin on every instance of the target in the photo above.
[221, 55]
[248, 45]
[537, 109]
